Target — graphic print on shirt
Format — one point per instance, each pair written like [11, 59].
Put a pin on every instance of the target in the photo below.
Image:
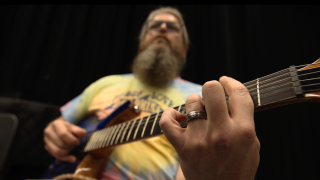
[147, 102]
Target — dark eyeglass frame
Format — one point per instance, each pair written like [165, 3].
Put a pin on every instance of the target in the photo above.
[167, 25]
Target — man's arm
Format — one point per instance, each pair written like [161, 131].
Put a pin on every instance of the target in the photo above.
[60, 137]
[223, 146]
[180, 175]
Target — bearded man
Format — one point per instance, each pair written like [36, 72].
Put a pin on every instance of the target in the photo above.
[154, 86]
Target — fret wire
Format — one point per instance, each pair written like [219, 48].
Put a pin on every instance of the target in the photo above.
[89, 142]
[107, 134]
[150, 121]
[179, 108]
[141, 125]
[251, 83]
[131, 129]
[85, 139]
[263, 91]
[89, 145]
[143, 121]
[265, 83]
[111, 134]
[145, 125]
[121, 128]
[154, 122]
[94, 142]
[115, 133]
[258, 92]
[95, 138]
[135, 133]
[183, 106]
[268, 76]
[287, 74]
[125, 130]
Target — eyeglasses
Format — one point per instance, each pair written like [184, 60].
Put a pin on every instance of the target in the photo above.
[172, 26]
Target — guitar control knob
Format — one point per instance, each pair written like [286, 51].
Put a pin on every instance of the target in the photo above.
[136, 109]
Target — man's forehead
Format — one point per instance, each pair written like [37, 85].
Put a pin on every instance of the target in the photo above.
[165, 17]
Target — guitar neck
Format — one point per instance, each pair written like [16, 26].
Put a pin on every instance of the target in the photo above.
[133, 130]
[274, 88]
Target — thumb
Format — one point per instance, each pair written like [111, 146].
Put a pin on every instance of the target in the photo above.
[77, 131]
[169, 123]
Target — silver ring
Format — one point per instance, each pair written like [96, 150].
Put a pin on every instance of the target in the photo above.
[196, 115]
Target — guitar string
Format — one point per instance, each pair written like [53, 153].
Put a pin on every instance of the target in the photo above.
[253, 82]
[135, 126]
[307, 64]
[270, 84]
[252, 89]
[261, 83]
[96, 144]
[266, 78]
[144, 118]
[289, 83]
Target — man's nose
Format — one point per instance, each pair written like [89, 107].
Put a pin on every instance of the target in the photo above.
[163, 27]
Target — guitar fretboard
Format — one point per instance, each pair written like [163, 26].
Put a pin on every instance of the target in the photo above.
[276, 87]
[128, 131]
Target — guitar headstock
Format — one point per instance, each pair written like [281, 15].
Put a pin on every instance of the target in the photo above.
[312, 96]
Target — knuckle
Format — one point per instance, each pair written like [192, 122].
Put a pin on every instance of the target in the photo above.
[192, 100]
[63, 135]
[200, 147]
[241, 90]
[248, 130]
[61, 144]
[221, 140]
[163, 122]
[46, 131]
[60, 152]
[212, 86]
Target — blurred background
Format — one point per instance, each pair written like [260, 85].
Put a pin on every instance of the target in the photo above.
[50, 53]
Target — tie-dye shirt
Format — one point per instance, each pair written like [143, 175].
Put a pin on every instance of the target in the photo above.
[152, 158]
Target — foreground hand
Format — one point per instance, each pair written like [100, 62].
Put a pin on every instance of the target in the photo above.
[224, 146]
[60, 137]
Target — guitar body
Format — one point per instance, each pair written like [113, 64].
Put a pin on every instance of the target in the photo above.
[89, 164]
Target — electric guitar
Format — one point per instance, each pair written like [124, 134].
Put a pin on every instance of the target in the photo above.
[292, 85]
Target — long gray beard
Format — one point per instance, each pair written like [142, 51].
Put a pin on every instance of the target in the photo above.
[156, 66]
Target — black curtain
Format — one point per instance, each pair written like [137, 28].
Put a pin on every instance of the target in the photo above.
[50, 53]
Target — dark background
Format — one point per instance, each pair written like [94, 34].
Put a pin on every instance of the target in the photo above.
[50, 53]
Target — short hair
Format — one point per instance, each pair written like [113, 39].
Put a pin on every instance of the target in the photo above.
[169, 10]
